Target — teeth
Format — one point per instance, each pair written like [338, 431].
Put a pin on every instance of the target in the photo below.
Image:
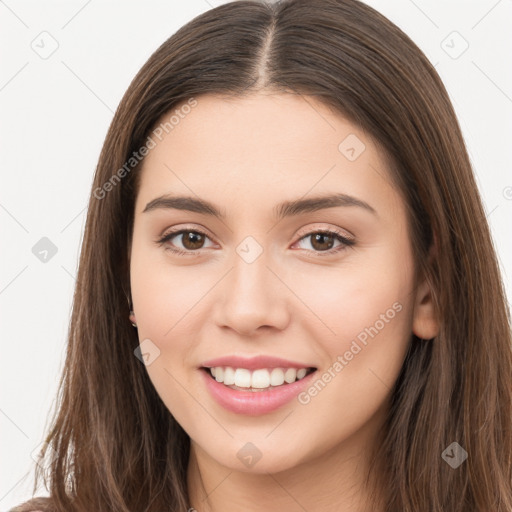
[301, 373]
[290, 375]
[219, 374]
[242, 378]
[229, 376]
[277, 377]
[257, 379]
[260, 379]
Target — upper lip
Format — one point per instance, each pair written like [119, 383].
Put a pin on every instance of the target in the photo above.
[254, 362]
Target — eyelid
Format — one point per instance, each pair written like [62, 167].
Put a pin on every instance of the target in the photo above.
[316, 228]
[174, 230]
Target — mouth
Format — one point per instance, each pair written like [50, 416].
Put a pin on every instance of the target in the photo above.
[257, 390]
[256, 380]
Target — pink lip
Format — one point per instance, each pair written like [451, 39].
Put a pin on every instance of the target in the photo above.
[254, 363]
[254, 403]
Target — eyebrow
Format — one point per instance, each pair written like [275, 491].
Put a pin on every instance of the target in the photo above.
[284, 209]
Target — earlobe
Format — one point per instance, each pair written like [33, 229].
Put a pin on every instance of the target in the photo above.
[425, 322]
[133, 319]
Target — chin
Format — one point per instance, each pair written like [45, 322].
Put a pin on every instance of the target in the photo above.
[258, 460]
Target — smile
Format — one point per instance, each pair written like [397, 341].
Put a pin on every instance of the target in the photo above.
[255, 385]
[260, 379]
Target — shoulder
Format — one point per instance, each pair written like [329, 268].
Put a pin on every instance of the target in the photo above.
[39, 504]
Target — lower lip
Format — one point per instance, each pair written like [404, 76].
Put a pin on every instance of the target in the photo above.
[254, 403]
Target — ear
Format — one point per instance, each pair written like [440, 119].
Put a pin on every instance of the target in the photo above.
[425, 324]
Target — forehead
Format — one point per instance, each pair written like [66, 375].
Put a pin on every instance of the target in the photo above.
[261, 149]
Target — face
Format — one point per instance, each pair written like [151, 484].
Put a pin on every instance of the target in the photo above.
[276, 302]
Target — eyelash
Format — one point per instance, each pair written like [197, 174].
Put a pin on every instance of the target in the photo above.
[345, 242]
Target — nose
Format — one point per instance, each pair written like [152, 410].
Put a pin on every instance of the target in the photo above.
[252, 298]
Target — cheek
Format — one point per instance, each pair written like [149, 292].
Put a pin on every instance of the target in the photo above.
[369, 308]
[163, 300]
[355, 300]
[163, 295]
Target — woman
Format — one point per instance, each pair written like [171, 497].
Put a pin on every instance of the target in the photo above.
[287, 296]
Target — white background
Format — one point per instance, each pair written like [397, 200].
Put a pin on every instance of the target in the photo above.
[54, 116]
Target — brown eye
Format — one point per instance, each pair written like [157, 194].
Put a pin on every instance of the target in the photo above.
[192, 240]
[185, 241]
[322, 241]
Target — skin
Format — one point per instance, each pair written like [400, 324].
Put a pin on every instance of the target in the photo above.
[246, 155]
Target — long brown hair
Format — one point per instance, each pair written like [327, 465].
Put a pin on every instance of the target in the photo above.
[117, 446]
